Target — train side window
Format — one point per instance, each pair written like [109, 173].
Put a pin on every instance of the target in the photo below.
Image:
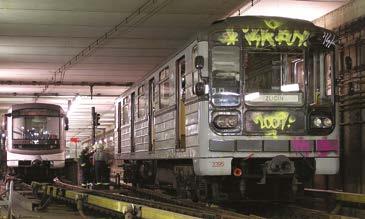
[182, 76]
[118, 119]
[328, 72]
[125, 111]
[132, 120]
[141, 102]
[194, 76]
[165, 88]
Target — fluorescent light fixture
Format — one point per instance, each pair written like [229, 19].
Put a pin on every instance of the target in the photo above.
[74, 103]
[289, 87]
[306, 10]
[252, 96]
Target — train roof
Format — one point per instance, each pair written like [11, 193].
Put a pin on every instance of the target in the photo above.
[264, 22]
[239, 22]
[36, 106]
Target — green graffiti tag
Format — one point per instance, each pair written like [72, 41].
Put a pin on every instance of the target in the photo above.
[272, 133]
[230, 37]
[270, 35]
[272, 24]
[274, 121]
[261, 37]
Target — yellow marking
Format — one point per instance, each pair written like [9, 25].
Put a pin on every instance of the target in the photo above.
[274, 121]
[229, 37]
[117, 206]
[272, 24]
[262, 37]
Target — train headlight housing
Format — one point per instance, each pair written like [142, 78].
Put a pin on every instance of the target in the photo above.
[321, 122]
[226, 121]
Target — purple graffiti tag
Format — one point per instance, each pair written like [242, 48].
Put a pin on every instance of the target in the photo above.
[301, 146]
[323, 147]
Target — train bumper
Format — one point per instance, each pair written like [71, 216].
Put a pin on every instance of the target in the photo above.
[327, 165]
[54, 161]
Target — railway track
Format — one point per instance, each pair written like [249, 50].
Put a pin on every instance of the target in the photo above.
[144, 203]
[264, 209]
[131, 202]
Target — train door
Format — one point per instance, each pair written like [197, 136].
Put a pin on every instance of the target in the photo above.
[181, 89]
[151, 116]
[133, 103]
[119, 131]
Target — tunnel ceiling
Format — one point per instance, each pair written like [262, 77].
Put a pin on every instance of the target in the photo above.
[39, 39]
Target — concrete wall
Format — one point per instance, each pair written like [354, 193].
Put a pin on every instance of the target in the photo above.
[347, 13]
[349, 22]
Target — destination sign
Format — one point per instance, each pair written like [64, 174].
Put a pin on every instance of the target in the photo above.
[274, 98]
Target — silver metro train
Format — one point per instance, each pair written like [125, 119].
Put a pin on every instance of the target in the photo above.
[35, 136]
[246, 109]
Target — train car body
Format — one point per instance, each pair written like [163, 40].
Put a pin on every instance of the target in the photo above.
[251, 100]
[35, 136]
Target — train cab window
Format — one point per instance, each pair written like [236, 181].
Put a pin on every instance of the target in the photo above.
[165, 88]
[125, 111]
[36, 127]
[323, 75]
[141, 102]
[226, 75]
[274, 72]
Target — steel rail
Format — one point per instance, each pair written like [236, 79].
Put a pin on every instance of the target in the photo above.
[349, 197]
[132, 206]
[119, 203]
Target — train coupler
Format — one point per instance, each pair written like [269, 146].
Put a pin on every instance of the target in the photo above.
[279, 165]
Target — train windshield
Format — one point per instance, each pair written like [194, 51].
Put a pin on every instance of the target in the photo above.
[36, 128]
[274, 77]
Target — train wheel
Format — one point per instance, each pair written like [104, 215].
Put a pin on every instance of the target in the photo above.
[242, 188]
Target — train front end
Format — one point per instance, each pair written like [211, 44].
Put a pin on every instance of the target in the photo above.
[36, 136]
[270, 85]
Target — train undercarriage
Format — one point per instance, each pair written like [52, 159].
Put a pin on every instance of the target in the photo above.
[35, 173]
[275, 179]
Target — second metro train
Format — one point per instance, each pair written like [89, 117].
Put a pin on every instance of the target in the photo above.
[35, 137]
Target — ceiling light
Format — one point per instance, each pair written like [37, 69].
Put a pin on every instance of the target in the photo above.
[306, 10]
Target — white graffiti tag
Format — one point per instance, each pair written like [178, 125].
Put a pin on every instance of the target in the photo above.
[329, 39]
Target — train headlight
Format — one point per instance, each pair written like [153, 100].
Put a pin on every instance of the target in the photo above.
[317, 122]
[226, 121]
[327, 122]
